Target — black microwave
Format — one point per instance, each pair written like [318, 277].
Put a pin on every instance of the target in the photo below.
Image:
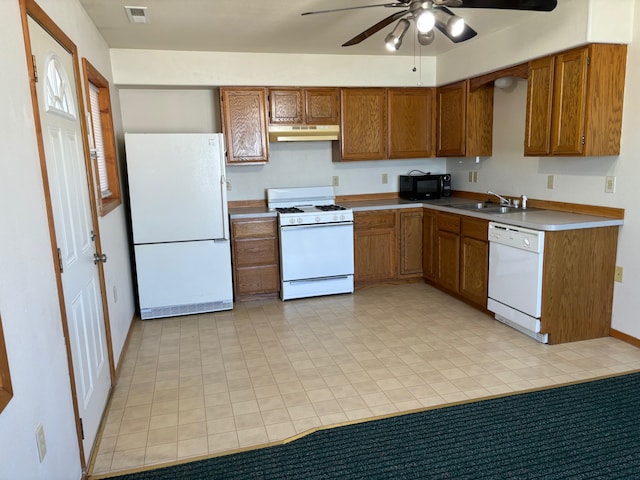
[425, 187]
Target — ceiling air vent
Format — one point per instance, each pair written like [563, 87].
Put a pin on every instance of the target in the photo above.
[137, 14]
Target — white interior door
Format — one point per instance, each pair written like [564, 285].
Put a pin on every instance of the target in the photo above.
[70, 200]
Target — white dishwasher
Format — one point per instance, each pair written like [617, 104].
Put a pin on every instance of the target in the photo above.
[515, 277]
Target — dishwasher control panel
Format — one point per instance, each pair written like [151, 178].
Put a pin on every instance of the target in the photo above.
[517, 237]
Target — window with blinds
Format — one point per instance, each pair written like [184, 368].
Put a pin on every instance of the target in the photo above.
[98, 142]
[102, 139]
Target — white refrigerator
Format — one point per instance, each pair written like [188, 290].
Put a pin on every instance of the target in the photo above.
[178, 201]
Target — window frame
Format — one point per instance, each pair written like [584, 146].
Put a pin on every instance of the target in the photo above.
[93, 77]
[6, 390]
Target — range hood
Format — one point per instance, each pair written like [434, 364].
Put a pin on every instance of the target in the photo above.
[303, 133]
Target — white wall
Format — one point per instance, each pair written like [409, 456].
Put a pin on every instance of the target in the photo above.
[28, 296]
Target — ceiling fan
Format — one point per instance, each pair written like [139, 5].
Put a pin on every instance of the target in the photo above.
[428, 14]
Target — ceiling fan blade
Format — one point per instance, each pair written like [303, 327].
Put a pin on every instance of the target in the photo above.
[395, 4]
[534, 5]
[375, 28]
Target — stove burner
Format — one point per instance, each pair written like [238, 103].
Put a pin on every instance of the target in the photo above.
[289, 210]
[329, 208]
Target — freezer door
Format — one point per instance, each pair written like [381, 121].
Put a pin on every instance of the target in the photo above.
[184, 277]
[176, 187]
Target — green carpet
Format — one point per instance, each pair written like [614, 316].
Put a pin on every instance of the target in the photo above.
[584, 431]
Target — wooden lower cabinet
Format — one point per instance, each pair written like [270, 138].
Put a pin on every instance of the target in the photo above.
[256, 267]
[474, 260]
[410, 243]
[375, 247]
[429, 240]
[461, 252]
[577, 283]
[387, 245]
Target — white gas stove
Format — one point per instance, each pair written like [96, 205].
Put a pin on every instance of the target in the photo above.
[316, 241]
[307, 205]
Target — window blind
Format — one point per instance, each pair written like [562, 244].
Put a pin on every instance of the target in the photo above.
[96, 121]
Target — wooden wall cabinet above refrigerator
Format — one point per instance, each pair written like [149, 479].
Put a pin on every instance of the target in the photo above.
[464, 120]
[574, 102]
[304, 106]
[244, 124]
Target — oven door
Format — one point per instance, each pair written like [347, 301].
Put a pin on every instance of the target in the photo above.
[316, 251]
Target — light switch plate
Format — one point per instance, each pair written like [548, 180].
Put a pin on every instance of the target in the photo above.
[618, 276]
[384, 178]
[551, 182]
[610, 184]
[336, 181]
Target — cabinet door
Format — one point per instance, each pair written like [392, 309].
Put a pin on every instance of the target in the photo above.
[479, 122]
[429, 240]
[448, 259]
[321, 106]
[375, 246]
[411, 122]
[411, 243]
[537, 139]
[244, 123]
[474, 269]
[255, 256]
[363, 129]
[285, 106]
[451, 119]
[569, 94]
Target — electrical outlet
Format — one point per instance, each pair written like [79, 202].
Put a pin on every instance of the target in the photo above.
[470, 176]
[551, 182]
[610, 184]
[384, 178]
[475, 177]
[228, 185]
[336, 181]
[619, 274]
[41, 442]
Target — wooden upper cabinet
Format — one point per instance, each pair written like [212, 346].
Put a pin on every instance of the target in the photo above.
[322, 106]
[411, 122]
[308, 106]
[574, 102]
[464, 120]
[286, 105]
[539, 102]
[244, 124]
[363, 124]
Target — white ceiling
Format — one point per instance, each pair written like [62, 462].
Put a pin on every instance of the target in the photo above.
[273, 26]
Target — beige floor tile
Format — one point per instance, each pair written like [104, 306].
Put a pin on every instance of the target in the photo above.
[269, 369]
[161, 453]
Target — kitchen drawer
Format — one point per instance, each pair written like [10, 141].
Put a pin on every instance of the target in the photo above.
[448, 222]
[258, 251]
[254, 280]
[262, 227]
[475, 228]
[375, 220]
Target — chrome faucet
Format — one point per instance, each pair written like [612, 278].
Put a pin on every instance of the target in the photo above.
[503, 201]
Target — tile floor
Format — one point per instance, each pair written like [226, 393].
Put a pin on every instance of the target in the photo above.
[267, 370]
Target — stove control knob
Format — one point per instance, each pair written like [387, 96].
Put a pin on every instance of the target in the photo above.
[299, 220]
[335, 218]
[317, 219]
[292, 220]
[341, 217]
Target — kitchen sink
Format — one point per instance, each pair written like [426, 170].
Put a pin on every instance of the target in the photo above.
[490, 207]
[485, 207]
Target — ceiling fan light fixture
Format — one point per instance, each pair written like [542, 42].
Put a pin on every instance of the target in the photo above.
[425, 20]
[394, 39]
[426, 38]
[453, 24]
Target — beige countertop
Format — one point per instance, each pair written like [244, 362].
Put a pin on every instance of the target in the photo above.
[534, 218]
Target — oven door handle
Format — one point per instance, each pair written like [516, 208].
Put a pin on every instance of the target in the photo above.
[316, 225]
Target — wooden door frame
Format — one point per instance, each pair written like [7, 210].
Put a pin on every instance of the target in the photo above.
[29, 8]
